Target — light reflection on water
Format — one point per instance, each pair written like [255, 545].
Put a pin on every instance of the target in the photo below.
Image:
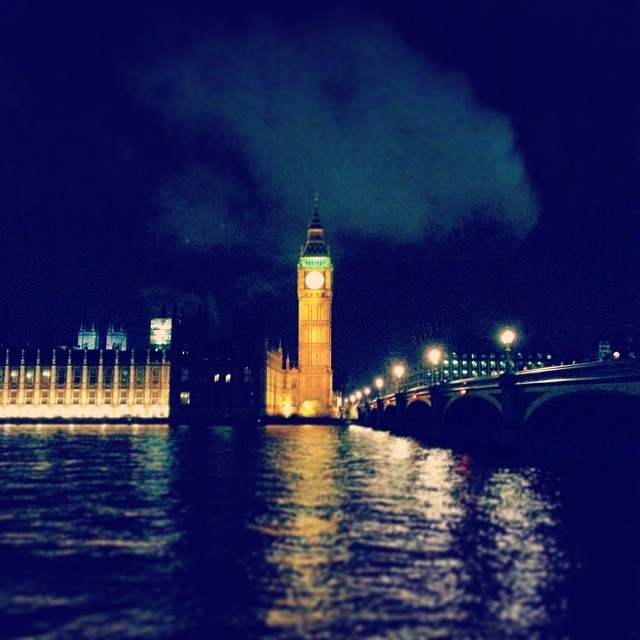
[301, 532]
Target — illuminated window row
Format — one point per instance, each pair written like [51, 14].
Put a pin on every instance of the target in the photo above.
[83, 397]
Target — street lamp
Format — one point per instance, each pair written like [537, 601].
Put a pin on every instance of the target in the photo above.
[379, 383]
[508, 337]
[434, 356]
[398, 371]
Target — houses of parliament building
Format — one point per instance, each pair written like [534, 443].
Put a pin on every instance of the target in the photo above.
[183, 376]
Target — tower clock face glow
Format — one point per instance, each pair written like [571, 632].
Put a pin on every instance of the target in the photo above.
[314, 279]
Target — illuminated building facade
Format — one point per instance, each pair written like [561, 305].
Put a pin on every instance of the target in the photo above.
[306, 390]
[457, 366]
[160, 332]
[116, 338]
[84, 384]
[88, 338]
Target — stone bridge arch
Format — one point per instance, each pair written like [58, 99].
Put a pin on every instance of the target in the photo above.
[373, 418]
[475, 418]
[592, 421]
[618, 400]
[417, 415]
[389, 417]
[491, 398]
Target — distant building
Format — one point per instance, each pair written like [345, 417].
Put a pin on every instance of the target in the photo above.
[88, 338]
[217, 381]
[604, 350]
[116, 339]
[457, 366]
[160, 330]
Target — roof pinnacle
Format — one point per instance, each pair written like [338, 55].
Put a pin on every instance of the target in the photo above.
[315, 244]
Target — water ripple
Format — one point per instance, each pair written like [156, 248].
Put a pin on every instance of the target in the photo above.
[288, 532]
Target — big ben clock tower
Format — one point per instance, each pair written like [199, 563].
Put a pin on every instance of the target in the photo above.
[315, 284]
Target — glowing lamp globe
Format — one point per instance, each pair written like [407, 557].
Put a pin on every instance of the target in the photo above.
[507, 337]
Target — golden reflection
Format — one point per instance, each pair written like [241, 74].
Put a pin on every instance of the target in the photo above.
[304, 529]
[80, 428]
[431, 524]
[418, 497]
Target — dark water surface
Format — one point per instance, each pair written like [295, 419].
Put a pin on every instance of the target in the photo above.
[307, 532]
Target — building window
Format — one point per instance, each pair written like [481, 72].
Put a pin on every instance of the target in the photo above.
[13, 397]
[108, 397]
[139, 397]
[14, 377]
[140, 376]
[77, 376]
[216, 378]
[123, 397]
[247, 374]
[92, 397]
[93, 376]
[227, 378]
[28, 397]
[45, 376]
[44, 398]
[1, 375]
[124, 376]
[107, 377]
[185, 374]
[155, 375]
[61, 376]
[60, 397]
[76, 397]
[29, 376]
[155, 397]
[185, 397]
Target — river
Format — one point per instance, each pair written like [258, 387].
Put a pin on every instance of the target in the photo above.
[308, 532]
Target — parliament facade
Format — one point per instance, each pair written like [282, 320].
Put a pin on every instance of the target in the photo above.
[84, 384]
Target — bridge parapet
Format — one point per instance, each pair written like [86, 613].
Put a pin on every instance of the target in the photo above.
[514, 397]
[612, 370]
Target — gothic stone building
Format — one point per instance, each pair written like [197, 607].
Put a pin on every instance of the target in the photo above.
[306, 390]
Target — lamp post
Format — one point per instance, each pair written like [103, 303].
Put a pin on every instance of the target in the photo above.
[379, 383]
[398, 371]
[434, 356]
[507, 337]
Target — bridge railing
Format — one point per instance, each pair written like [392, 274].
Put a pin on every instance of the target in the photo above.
[601, 369]
[607, 370]
[586, 370]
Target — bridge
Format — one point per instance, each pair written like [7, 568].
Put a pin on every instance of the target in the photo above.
[565, 403]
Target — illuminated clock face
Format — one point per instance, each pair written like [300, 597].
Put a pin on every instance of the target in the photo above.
[314, 279]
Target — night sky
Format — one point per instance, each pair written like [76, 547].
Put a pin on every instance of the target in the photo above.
[477, 164]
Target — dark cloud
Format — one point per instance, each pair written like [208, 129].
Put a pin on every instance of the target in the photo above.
[203, 209]
[395, 146]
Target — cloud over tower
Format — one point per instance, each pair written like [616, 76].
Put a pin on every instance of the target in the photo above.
[396, 146]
